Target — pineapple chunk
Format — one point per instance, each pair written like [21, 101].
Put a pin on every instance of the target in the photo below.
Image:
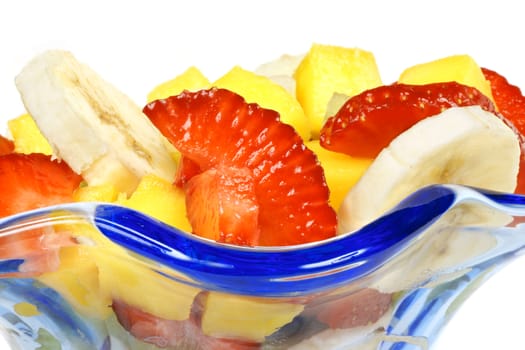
[27, 137]
[228, 316]
[153, 196]
[460, 68]
[326, 70]
[191, 79]
[162, 200]
[341, 171]
[96, 193]
[129, 280]
[268, 94]
[95, 275]
[77, 281]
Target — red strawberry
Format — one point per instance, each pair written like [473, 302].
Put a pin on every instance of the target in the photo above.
[183, 334]
[511, 104]
[354, 310]
[231, 192]
[6, 146]
[368, 122]
[39, 248]
[29, 182]
[217, 129]
[186, 170]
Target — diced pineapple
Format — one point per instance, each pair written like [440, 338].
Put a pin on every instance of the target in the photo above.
[191, 79]
[77, 280]
[460, 68]
[268, 94]
[341, 171]
[148, 289]
[326, 70]
[162, 200]
[27, 137]
[98, 193]
[227, 316]
[92, 275]
[153, 196]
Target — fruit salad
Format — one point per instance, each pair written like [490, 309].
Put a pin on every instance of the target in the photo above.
[301, 150]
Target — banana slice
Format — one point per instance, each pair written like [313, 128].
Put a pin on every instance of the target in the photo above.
[464, 145]
[283, 65]
[99, 131]
[281, 71]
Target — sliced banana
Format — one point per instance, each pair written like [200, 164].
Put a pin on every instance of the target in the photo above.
[282, 70]
[283, 65]
[96, 129]
[463, 145]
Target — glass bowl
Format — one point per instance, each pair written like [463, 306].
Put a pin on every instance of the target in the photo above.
[101, 276]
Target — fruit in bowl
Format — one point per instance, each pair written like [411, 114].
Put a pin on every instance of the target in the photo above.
[251, 193]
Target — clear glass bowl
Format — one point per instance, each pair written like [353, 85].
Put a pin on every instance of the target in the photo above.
[100, 276]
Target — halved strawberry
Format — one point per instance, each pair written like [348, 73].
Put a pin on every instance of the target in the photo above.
[354, 310]
[217, 198]
[164, 333]
[185, 171]
[217, 129]
[511, 104]
[6, 146]
[29, 182]
[368, 122]
[37, 250]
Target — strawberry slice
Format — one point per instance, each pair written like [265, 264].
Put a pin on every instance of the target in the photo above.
[6, 146]
[29, 182]
[368, 122]
[37, 249]
[511, 105]
[216, 129]
[185, 171]
[178, 334]
[231, 192]
[354, 310]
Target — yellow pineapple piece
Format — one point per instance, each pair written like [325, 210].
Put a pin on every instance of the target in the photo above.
[77, 281]
[460, 68]
[268, 94]
[96, 193]
[93, 274]
[248, 318]
[161, 199]
[133, 282]
[191, 79]
[127, 279]
[27, 137]
[341, 171]
[99, 193]
[326, 70]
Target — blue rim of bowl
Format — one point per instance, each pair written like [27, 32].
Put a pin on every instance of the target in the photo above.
[280, 271]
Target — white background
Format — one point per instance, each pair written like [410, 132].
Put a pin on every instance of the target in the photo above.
[136, 45]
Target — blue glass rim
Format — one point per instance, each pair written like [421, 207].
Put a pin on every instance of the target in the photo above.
[278, 271]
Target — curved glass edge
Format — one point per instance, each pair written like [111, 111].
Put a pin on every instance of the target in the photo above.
[281, 271]
[304, 268]
[378, 257]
